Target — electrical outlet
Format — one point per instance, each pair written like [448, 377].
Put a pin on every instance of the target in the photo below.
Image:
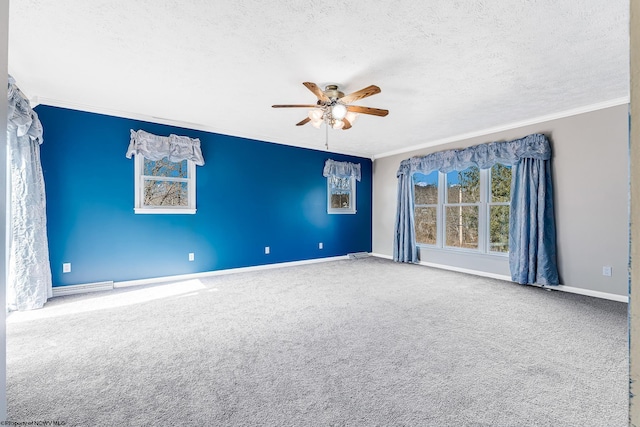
[191, 256]
[320, 245]
[267, 250]
[66, 267]
[606, 271]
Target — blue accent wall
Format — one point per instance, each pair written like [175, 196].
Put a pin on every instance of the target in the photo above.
[250, 194]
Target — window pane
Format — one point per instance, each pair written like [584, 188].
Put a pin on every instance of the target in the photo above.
[425, 188]
[166, 168]
[425, 219]
[500, 183]
[499, 228]
[340, 199]
[464, 186]
[165, 193]
[462, 226]
[340, 183]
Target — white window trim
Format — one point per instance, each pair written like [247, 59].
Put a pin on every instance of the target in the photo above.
[483, 218]
[139, 188]
[350, 210]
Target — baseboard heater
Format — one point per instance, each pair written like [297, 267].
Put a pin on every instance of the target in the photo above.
[60, 291]
[358, 255]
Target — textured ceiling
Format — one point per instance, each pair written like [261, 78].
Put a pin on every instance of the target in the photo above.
[446, 68]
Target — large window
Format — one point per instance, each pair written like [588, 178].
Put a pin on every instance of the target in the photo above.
[464, 210]
[163, 186]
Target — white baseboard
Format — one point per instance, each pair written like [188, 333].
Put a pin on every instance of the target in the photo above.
[60, 291]
[181, 277]
[108, 285]
[588, 292]
[562, 288]
[380, 255]
[466, 270]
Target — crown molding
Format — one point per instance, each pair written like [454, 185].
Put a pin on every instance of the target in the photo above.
[510, 126]
[36, 100]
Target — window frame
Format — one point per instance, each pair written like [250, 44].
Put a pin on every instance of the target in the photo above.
[446, 203]
[484, 204]
[139, 179]
[437, 206]
[352, 208]
[489, 203]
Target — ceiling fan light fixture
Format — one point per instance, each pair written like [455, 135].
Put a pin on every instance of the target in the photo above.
[338, 111]
[316, 123]
[351, 116]
[338, 124]
[316, 114]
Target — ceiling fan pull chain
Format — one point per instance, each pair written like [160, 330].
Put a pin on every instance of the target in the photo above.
[326, 136]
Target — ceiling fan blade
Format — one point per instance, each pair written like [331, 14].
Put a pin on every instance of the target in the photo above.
[295, 106]
[362, 93]
[316, 91]
[367, 110]
[347, 124]
[303, 122]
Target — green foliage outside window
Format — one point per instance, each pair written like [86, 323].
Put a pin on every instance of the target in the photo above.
[461, 222]
[499, 214]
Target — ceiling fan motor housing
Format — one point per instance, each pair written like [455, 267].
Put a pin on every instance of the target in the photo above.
[332, 92]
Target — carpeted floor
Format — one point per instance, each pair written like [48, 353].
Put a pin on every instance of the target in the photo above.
[345, 343]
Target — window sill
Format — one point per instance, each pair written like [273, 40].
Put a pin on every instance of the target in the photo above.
[341, 212]
[164, 211]
[463, 251]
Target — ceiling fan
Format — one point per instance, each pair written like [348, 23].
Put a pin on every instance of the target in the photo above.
[334, 107]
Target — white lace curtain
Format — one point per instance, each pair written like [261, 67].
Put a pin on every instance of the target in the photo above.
[340, 173]
[29, 272]
[175, 148]
[341, 169]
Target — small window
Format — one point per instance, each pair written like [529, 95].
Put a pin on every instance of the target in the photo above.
[341, 195]
[165, 187]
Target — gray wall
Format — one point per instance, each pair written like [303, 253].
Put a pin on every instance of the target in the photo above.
[591, 182]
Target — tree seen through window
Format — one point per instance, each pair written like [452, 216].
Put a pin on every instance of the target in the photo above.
[165, 183]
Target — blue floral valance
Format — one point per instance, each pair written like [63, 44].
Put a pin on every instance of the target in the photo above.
[341, 169]
[535, 146]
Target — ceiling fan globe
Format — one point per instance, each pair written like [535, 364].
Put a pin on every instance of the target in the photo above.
[338, 111]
